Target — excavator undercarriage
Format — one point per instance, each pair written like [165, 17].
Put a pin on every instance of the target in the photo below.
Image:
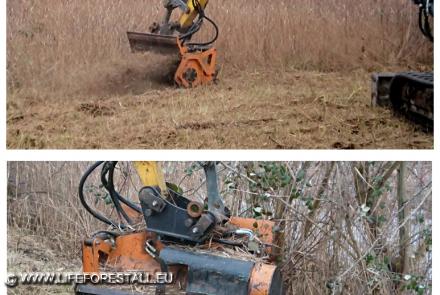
[410, 94]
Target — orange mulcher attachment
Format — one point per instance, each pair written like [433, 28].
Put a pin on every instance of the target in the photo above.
[193, 270]
[206, 250]
[197, 64]
[196, 67]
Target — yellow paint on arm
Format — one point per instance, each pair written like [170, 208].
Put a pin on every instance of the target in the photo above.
[151, 174]
[187, 19]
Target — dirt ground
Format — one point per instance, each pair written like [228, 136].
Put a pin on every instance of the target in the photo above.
[268, 109]
[30, 253]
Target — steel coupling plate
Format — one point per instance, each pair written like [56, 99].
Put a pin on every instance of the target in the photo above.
[145, 42]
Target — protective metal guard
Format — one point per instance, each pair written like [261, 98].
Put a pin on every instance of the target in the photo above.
[211, 274]
[161, 44]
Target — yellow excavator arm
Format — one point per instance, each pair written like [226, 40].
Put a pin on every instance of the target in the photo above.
[186, 20]
[150, 174]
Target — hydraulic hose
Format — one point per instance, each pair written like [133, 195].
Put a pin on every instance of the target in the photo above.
[109, 167]
[197, 26]
[94, 213]
[127, 202]
[426, 11]
[213, 39]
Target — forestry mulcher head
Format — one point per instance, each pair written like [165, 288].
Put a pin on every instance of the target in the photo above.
[206, 250]
[197, 60]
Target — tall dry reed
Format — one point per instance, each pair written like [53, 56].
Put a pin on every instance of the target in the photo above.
[67, 46]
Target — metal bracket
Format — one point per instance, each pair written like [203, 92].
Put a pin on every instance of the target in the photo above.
[215, 203]
[151, 200]
[167, 219]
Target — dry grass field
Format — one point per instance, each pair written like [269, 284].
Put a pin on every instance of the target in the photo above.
[292, 76]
